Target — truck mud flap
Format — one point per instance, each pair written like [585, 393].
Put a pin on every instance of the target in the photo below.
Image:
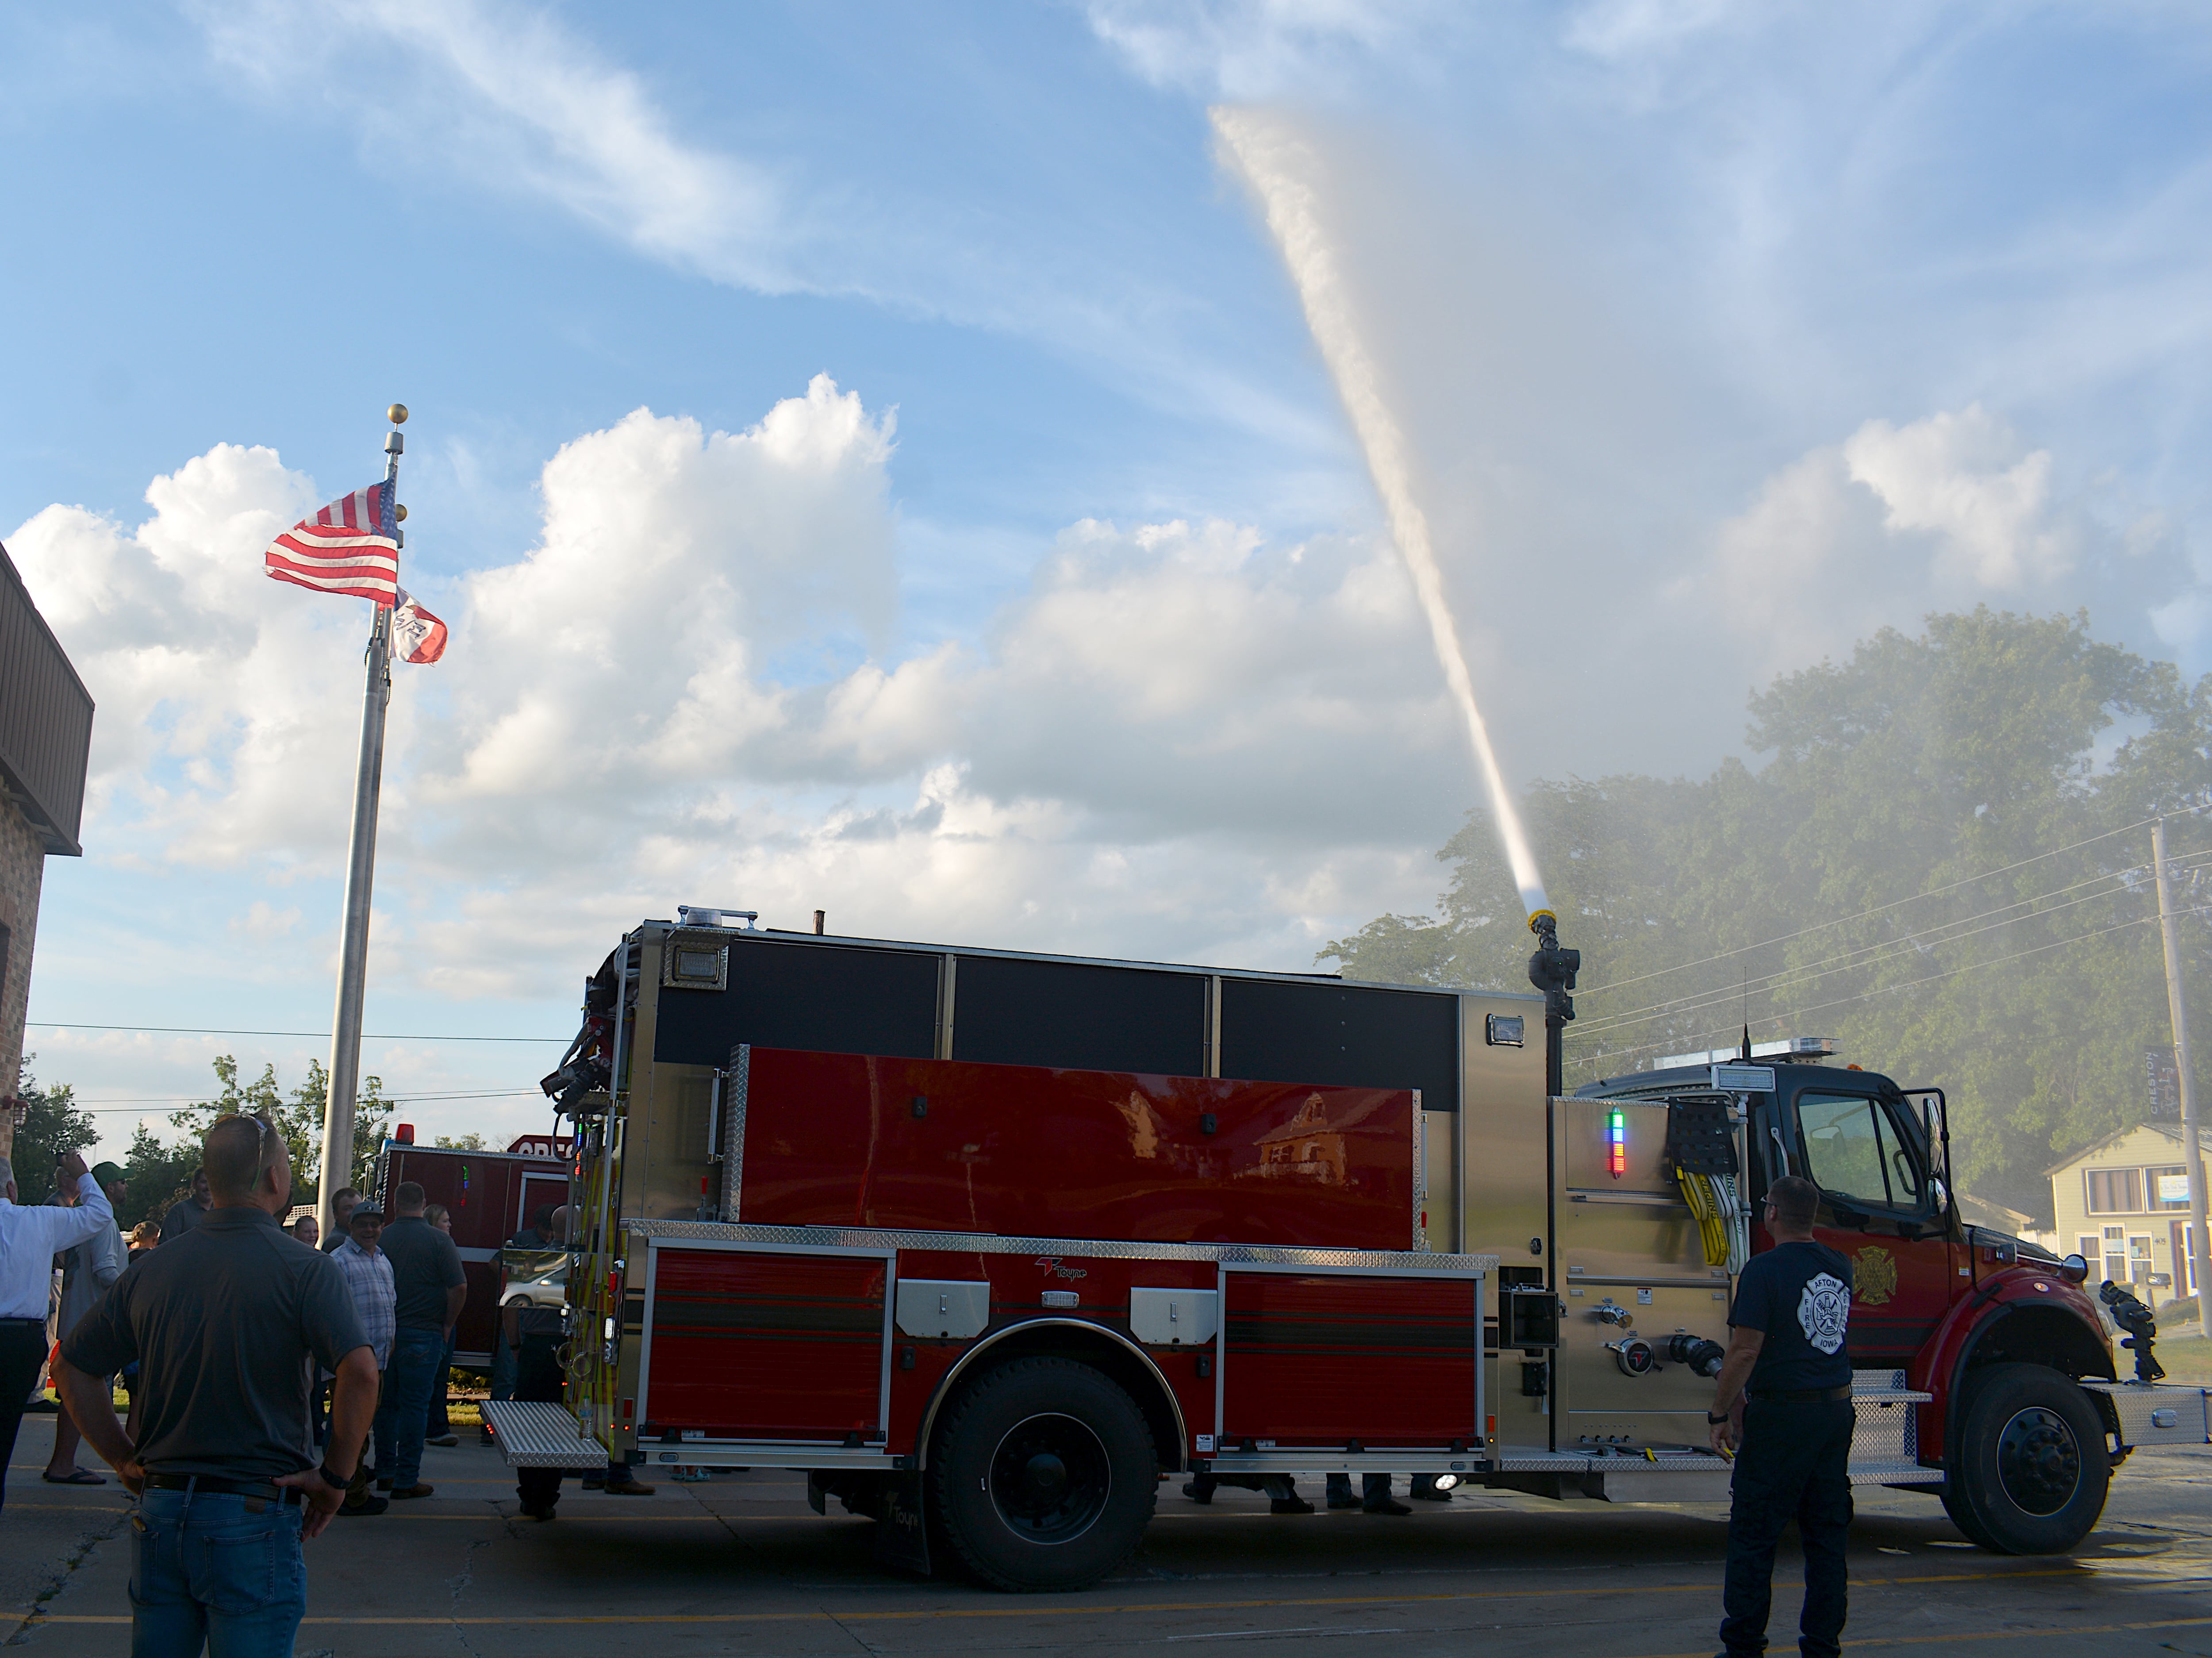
[902, 1532]
[531, 1434]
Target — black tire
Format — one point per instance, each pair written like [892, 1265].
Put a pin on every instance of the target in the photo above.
[2032, 1467]
[1954, 1504]
[1043, 1475]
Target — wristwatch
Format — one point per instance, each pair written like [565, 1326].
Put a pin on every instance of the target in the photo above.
[1717, 1420]
[336, 1482]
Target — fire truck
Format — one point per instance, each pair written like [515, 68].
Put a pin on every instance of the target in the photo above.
[989, 1244]
[489, 1196]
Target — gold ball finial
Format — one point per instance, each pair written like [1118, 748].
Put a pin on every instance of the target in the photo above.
[400, 513]
[397, 414]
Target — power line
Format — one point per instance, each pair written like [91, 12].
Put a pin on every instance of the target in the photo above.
[1908, 985]
[216, 1030]
[1882, 909]
[1873, 955]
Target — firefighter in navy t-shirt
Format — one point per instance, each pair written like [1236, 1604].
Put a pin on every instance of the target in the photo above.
[1786, 1359]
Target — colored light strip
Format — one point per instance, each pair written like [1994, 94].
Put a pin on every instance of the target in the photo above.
[1617, 1152]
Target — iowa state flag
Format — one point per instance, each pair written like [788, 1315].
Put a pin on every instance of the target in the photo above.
[416, 635]
[351, 546]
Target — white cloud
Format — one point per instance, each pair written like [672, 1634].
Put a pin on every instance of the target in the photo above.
[1961, 479]
[1252, 49]
[512, 99]
[1947, 511]
[684, 693]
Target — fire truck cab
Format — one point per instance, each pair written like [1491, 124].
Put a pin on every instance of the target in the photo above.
[1998, 1364]
[989, 1244]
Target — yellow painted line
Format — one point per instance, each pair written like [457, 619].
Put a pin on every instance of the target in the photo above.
[1030, 1609]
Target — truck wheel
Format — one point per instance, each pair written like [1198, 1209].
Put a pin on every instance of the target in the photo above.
[1043, 1475]
[2033, 1468]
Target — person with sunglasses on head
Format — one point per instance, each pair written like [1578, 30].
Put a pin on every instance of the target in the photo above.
[227, 1321]
[30, 1237]
[1782, 1402]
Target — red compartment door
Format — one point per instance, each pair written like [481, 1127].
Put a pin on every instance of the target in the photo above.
[747, 1345]
[1323, 1359]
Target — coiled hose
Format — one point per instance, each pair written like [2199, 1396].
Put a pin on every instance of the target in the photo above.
[1712, 1201]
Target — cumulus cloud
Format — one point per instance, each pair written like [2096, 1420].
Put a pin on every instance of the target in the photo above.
[686, 690]
[1952, 509]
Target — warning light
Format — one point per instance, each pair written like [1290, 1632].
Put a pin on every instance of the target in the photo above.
[1616, 1155]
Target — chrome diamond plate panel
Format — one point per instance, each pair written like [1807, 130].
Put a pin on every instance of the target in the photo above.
[536, 1435]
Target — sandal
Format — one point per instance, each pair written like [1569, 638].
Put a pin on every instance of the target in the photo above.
[75, 1477]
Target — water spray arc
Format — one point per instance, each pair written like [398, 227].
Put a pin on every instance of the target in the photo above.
[1277, 165]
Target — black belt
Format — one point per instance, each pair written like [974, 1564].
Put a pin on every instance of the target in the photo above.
[1802, 1395]
[212, 1485]
[28, 1324]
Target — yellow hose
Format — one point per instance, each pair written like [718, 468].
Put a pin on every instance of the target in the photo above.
[1712, 1230]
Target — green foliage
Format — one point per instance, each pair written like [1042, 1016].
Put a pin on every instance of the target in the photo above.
[52, 1128]
[167, 1166]
[471, 1141]
[1942, 862]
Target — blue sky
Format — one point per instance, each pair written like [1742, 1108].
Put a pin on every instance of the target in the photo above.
[1060, 614]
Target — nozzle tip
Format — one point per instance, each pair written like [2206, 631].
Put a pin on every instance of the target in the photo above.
[1538, 918]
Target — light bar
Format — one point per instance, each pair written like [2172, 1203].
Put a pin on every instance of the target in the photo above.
[1616, 1134]
[1804, 1050]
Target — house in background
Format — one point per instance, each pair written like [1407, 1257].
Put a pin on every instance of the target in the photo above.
[45, 740]
[2123, 1205]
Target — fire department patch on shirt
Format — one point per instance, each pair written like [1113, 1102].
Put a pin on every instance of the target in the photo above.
[1824, 1310]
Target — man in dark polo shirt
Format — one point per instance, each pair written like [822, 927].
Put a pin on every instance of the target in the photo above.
[426, 1273]
[1787, 1359]
[187, 1211]
[227, 1323]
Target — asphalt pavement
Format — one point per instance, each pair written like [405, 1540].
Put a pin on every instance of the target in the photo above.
[742, 1565]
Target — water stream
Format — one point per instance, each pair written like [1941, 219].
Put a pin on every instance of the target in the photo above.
[1279, 165]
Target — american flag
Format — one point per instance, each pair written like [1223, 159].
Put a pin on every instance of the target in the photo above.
[351, 546]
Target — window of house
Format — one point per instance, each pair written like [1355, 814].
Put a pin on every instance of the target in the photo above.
[2116, 1257]
[2087, 1248]
[2166, 1188]
[2115, 1190]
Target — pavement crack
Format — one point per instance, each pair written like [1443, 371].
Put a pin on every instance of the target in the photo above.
[77, 1557]
[459, 1585]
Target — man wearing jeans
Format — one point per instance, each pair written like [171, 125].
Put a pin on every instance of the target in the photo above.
[227, 1323]
[1783, 1398]
[427, 1276]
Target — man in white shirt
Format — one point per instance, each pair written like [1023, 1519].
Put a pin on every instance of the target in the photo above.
[30, 1237]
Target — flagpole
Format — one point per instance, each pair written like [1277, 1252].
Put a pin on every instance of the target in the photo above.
[361, 879]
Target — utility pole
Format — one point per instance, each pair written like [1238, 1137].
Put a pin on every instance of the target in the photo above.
[361, 879]
[2178, 1010]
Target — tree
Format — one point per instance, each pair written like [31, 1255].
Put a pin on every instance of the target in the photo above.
[53, 1127]
[471, 1142]
[298, 1117]
[1941, 861]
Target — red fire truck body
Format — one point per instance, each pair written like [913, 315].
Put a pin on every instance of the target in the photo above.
[988, 1244]
[491, 1196]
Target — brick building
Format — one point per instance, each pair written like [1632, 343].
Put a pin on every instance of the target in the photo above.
[46, 738]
